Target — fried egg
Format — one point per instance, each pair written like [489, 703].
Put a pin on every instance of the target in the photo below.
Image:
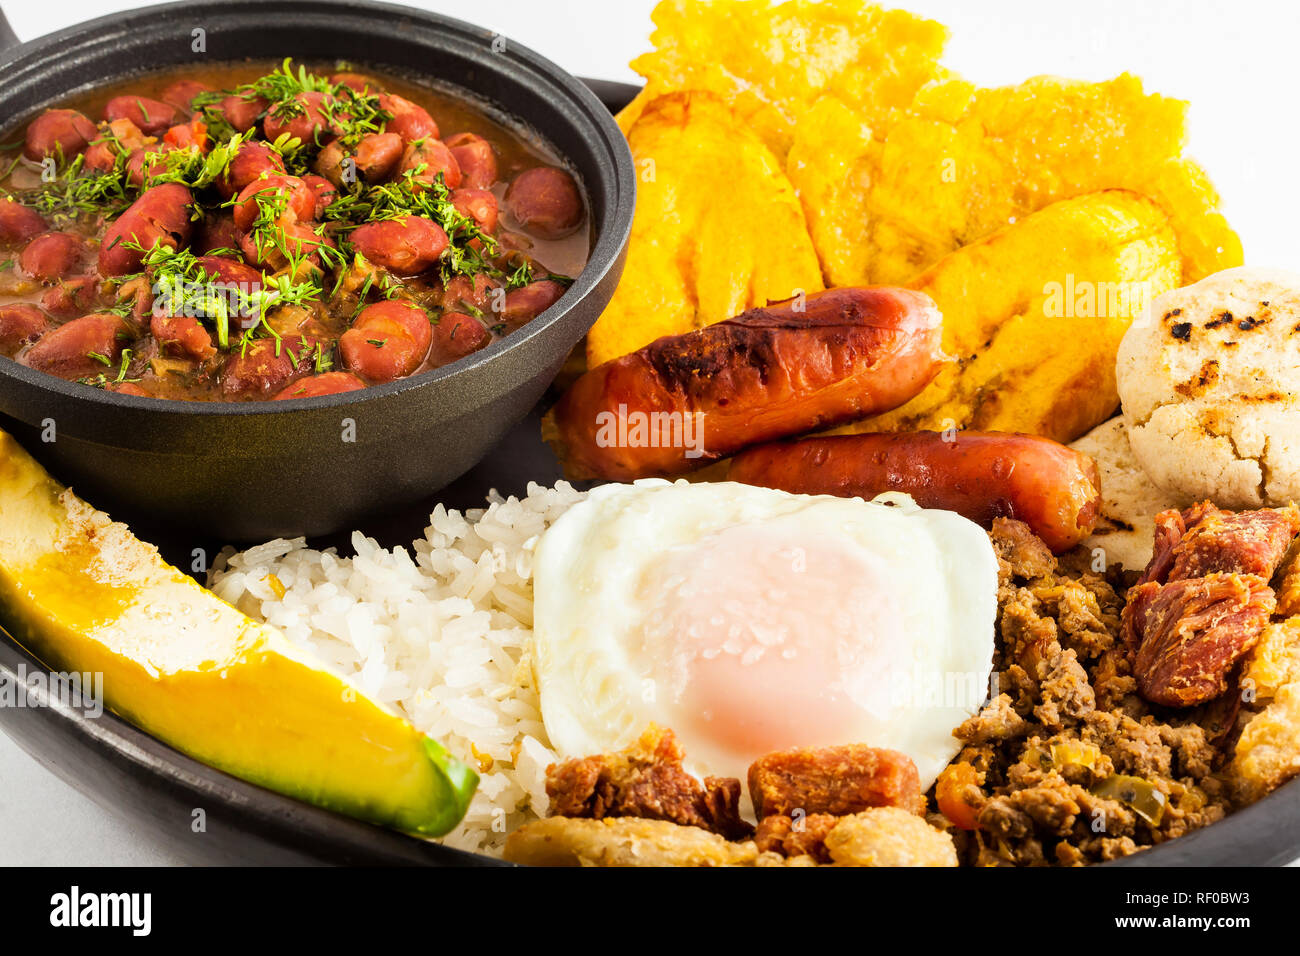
[751, 620]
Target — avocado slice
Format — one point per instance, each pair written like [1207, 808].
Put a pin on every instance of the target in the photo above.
[85, 595]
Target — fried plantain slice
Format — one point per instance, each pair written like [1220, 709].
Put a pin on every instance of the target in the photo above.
[772, 62]
[718, 228]
[1036, 348]
[965, 162]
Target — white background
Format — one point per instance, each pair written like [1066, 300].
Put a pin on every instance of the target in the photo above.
[1237, 63]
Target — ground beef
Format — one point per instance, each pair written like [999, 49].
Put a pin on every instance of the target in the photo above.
[1067, 717]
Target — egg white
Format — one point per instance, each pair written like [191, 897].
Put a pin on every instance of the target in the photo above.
[604, 580]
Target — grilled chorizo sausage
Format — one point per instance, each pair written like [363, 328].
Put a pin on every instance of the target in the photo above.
[769, 373]
[980, 475]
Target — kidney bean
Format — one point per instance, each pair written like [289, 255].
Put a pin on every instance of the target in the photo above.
[406, 246]
[310, 123]
[477, 161]
[71, 297]
[63, 133]
[181, 94]
[239, 111]
[473, 292]
[431, 157]
[357, 82]
[121, 135]
[21, 323]
[214, 231]
[251, 161]
[257, 371]
[545, 201]
[326, 192]
[298, 238]
[53, 255]
[182, 335]
[377, 156]
[388, 340]
[231, 271]
[328, 383]
[291, 195]
[17, 222]
[528, 302]
[479, 205]
[160, 216]
[456, 335]
[70, 350]
[153, 117]
[135, 166]
[411, 122]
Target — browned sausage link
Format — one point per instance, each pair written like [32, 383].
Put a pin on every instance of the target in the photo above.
[981, 475]
[160, 216]
[770, 373]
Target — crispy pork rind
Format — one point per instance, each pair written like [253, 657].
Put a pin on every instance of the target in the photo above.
[772, 62]
[889, 836]
[623, 841]
[1267, 753]
[964, 162]
[718, 228]
[1035, 314]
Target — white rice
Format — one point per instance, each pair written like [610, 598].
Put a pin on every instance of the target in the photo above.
[441, 633]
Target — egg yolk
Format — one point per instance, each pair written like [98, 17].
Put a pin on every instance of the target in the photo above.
[764, 637]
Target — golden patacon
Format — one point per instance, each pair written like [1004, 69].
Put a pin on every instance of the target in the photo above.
[962, 162]
[84, 595]
[718, 228]
[1077, 272]
[772, 62]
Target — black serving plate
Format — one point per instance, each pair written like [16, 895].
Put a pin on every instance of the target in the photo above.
[140, 778]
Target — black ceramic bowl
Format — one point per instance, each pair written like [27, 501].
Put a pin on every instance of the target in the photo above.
[246, 471]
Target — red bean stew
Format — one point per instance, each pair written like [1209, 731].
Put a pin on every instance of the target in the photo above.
[265, 232]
